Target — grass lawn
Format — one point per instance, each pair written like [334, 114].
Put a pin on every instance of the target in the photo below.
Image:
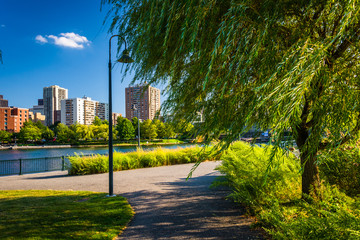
[39, 214]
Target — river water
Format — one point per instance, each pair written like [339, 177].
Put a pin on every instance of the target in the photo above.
[57, 152]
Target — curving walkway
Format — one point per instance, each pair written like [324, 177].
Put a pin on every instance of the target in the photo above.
[166, 205]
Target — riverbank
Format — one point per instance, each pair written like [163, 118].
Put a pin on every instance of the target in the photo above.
[15, 147]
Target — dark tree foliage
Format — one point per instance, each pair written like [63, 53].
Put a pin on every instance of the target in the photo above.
[278, 64]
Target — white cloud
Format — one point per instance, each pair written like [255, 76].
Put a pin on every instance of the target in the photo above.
[41, 39]
[71, 40]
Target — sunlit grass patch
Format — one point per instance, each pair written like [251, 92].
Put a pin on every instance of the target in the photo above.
[48, 214]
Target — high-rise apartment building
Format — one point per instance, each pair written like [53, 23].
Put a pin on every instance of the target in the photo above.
[13, 118]
[145, 98]
[82, 110]
[3, 102]
[102, 110]
[52, 97]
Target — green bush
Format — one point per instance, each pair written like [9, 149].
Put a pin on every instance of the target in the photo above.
[336, 216]
[275, 196]
[341, 167]
[255, 180]
[81, 165]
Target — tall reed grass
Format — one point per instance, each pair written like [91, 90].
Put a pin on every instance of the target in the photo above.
[81, 165]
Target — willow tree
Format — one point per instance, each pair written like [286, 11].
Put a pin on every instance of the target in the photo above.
[280, 64]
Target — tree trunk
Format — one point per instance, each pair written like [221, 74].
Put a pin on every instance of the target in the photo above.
[310, 177]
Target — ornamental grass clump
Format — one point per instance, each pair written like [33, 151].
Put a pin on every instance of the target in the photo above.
[81, 165]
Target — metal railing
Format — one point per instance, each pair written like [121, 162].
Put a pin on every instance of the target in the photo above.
[33, 165]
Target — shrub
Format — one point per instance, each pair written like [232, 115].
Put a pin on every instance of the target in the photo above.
[245, 168]
[277, 202]
[342, 168]
[336, 216]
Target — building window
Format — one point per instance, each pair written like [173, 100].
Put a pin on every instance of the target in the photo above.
[5, 119]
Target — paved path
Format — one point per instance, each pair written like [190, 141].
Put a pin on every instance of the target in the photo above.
[166, 205]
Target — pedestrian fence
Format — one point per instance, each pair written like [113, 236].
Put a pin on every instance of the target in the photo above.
[33, 165]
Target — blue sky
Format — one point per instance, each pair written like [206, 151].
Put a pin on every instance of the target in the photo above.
[48, 42]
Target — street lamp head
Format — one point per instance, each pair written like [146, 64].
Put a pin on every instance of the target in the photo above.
[125, 58]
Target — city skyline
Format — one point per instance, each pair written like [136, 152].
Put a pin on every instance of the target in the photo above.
[63, 43]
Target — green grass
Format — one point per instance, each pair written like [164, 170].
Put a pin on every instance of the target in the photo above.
[81, 165]
[38, 214]
[274, 197]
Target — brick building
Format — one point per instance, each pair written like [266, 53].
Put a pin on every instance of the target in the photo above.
[13, 118]
[146, 100]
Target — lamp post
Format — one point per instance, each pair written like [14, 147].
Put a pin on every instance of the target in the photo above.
[125, 58]
[134, 108]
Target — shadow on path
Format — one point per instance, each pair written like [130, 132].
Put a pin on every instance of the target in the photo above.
[51, 177]
[187, 210]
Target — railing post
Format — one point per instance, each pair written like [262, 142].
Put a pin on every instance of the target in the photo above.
[20, 170]
[62, 163]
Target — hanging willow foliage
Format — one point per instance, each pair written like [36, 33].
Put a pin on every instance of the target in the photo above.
[279, 64]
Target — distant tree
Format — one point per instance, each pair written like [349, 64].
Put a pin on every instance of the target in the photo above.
[125, 129]
[63, 133]
[53, 127]
[184, 129]
[135, 124]
[85, 132]
[40, 125]
[28, 123]
[47, 134]
[160, 128]
[1, 57]
[77, 131]
[169, 131]
[119, 125]
[29, 132]
[97, 121]
[148, 129]
[5, 136]
[101, 131]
